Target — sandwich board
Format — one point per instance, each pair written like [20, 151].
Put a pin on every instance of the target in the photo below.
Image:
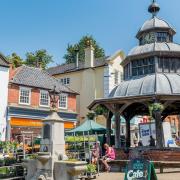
[140, 169]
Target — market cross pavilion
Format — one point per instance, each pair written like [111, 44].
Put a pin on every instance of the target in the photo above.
[151, 74]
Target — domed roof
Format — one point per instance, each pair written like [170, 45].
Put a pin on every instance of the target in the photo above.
[159, 83]
[153, 47]
[155, 23]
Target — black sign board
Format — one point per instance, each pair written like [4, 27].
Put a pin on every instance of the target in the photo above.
[140, 169]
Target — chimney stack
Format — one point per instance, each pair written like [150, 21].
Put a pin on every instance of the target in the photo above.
[77, 56]
[89, 54]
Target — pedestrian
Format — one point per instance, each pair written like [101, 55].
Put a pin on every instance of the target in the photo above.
[140, 143]
[109, 156]
[151, 141]
[96, 153]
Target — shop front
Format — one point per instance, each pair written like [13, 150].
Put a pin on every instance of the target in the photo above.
[29, 122]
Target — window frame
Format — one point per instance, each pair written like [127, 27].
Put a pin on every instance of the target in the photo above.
[41, 91]
[25, 88]
[64, 94]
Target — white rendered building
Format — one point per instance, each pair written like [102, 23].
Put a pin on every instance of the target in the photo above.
[4, 79]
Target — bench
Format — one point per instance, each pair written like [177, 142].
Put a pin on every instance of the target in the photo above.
[119, 165]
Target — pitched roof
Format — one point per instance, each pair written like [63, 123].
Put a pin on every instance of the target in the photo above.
[3, 61]
[64, 68]
[35, 77]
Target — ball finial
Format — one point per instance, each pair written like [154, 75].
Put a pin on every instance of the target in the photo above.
[154, 8]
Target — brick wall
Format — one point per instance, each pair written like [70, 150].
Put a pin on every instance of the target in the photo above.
[13, 97]
[72, 102]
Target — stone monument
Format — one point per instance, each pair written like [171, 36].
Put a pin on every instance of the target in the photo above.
[51, 162]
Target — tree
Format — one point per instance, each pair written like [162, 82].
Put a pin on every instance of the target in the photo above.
[70, 56]
[39, 58]
[15, 60]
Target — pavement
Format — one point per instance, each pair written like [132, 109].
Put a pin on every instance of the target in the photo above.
[171, 174]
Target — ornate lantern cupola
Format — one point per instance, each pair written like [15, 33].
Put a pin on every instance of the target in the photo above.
[155, 29]
[156, 52]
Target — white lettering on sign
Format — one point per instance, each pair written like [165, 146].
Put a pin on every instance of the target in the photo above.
[131, 174]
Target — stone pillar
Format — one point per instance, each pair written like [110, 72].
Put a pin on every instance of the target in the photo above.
[159, 129]
[117, 130]
[128, 133]
[108, 128]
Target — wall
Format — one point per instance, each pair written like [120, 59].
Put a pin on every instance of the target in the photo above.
[89, 84]
[109, 75]
[4, 79]
[13, 98]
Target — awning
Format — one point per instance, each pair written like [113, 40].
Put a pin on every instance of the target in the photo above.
[21, 122]
[89, 126]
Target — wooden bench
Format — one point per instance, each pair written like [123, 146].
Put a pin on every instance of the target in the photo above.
[166, 164]
[119, 165]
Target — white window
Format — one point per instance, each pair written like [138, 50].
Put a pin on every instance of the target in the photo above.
[65, 81]
[63, 101]
[44, 98]
[24, 95]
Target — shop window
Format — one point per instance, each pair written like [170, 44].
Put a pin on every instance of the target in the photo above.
[24, 95]
[44, 98]
[63, 101]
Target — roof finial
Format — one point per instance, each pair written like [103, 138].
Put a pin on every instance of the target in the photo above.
[154, 8]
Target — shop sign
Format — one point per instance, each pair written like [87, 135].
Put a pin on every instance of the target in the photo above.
[140, 169]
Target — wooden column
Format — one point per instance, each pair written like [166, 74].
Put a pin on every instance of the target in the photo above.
[117, 130]
[128, 133]
[159, 129]
[108, 128]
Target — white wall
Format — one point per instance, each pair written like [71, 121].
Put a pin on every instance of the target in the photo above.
[109, 75]
[4, 79]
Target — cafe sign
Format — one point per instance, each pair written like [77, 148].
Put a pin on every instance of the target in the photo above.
[140, 169]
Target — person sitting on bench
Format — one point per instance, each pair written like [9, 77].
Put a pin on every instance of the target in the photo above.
[109, 156]
[96, 153]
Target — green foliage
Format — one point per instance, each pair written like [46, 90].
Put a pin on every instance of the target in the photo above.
[91, 115]
[91, 168]
[8, 146]
[80, 138]
[155, 107]
[15, 60]
[70, 56]
[32, 156]
[101, 110]
[39, 58]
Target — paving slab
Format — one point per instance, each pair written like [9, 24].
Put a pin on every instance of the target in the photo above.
[172, 174]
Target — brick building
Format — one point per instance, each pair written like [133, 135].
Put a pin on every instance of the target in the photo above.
[29, 101]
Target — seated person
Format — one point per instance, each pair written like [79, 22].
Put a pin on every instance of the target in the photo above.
[96, 152]
[109, 156]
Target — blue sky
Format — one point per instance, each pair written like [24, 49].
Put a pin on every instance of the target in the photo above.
[28, 25]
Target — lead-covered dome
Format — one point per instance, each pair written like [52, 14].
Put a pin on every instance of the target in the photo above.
[158, 83]
[155, 22]
[155, 47]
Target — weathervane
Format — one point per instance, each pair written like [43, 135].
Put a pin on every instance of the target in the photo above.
[54, 97]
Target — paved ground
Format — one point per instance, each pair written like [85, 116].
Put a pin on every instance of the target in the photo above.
[168, 175]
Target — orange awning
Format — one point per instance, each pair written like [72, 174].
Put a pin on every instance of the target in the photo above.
[34, 123]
